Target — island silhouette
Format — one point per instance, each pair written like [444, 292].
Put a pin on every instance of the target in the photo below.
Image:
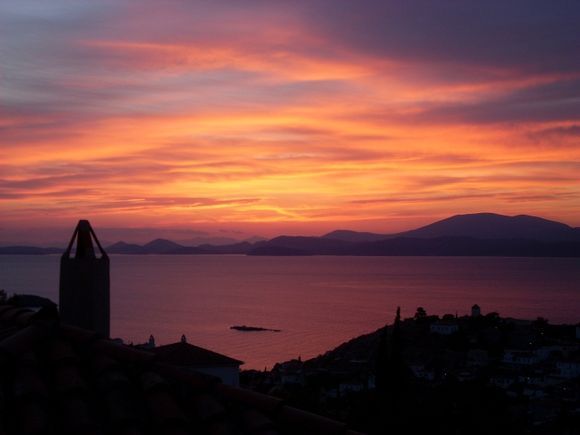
[480, 234]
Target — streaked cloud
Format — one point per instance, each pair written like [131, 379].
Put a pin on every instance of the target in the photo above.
[287, 115]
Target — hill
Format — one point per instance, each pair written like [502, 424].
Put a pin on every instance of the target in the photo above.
[161, 246]
[354, 236]
[29, 250]
[124, 248]
[435, 246]
[496, 226]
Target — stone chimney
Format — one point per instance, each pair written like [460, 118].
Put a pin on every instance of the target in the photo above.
[84, 283]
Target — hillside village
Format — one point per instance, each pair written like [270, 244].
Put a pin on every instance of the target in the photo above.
[440, 373]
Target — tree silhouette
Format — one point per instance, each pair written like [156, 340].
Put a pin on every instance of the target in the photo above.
[390, 369]
[420, 314]
[382, 361]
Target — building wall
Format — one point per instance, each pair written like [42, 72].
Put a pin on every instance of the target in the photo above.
[569, 369]
[444, 329]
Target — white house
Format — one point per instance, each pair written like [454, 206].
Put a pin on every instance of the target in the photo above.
[545, 352]
[503, 381]
[569, 369]
[444, 328]
[477, 357]
[520, 357]
[421, 372]
[291, 372]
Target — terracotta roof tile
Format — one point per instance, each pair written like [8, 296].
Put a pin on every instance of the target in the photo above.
[28, 383]
[308, 422]
[121, 408]
[4, 308]
[125, 354]
[23, 317]
[75, 416]
[7, 332]
[199, 381]
[218, 428]
[18, 316]
[78, 335]
[164, 408]
[7, 312]
[112, 380]
[61, 352]
[32, 417]
[99, 364]
[128, 431]
[261, 402]
[254, 421]
[204, 408]
[22, 340]
[68, 379]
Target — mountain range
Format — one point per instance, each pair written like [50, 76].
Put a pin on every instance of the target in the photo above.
[481, 234]
[480, 226]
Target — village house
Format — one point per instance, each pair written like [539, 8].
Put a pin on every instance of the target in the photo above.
[198, 359]
[568, 369]
[444, 328]
[520, 357]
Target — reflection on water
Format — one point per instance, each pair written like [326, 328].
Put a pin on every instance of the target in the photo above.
[317, 302]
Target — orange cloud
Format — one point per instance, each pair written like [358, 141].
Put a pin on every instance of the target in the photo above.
[280, 126]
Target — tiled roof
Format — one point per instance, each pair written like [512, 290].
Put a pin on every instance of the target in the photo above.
[185, 354]
[59, 379]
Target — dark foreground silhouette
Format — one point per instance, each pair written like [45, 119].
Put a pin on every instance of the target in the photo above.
[470, 375]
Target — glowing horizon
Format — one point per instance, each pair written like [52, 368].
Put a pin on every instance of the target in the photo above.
[286, 117]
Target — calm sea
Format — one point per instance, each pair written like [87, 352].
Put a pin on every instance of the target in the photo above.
[317, 302]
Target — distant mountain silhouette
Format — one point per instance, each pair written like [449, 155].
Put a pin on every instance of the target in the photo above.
[162, 246]
[355, 236]
[157, 246]
[317, 244]
[236, 248]
[254, 239]
[124, 248]
[472, 234]
[435, 246]
[29, 250]
[281, 251]
[466, 246]
[496, 226]
[208, 240]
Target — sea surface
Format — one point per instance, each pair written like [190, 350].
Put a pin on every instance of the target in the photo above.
[317, 302]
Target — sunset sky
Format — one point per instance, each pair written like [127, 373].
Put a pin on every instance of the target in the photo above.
[297, 117]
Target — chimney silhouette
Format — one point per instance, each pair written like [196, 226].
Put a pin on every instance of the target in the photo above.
[84, 283]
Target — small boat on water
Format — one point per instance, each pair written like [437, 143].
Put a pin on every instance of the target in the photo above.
[252, 328]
